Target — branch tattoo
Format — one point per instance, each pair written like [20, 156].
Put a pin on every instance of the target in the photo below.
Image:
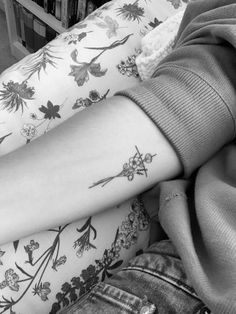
[135, 165]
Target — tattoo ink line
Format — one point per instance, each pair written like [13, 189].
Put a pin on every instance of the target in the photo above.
[135, 165]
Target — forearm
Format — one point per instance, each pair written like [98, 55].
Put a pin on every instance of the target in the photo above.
[55, 179]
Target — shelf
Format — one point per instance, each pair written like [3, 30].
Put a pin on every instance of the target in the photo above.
[42, 15]
[18, 50]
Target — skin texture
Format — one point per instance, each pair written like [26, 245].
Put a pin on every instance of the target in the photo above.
[43, 182]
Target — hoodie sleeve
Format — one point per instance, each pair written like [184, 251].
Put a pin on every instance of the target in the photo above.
[192, 95]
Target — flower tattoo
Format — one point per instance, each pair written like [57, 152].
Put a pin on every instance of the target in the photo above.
[135, 165]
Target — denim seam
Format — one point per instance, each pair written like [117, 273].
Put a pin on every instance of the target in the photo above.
[165, 277]
[109, 298]
[99, 292]
[162, 253]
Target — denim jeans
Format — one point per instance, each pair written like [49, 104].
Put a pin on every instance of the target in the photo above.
[153, 282]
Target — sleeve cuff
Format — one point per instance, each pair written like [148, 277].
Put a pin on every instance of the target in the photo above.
[189, 112]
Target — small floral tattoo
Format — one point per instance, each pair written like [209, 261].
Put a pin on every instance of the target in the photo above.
[135, 165]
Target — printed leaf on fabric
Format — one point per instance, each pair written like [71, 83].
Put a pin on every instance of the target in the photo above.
[177, 3]
[4, 137]
[73, 38]
[131, 12]
[155, 23]
[14, 95]
[110, 24]
[1, 255]
[42, 289]
[126, 236]
[50, 111]
[94, 97]
[81, 71]
[40, 60]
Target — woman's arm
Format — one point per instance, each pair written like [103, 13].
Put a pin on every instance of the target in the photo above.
[56, 178]
[191, 100]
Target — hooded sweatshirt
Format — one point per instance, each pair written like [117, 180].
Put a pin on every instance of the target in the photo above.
[191, 98]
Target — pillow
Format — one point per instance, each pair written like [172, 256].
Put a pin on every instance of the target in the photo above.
[89, 62]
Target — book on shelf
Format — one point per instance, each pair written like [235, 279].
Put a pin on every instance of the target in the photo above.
[58, 9]
[64, 12]
[73, 12]
[46, 6]
[81, 10]
[53, 8]
[40, 39]
[90, 7]
[68, 12]
[31, 31]
[22, 26]
[49, 6]
[39, 2]
[28, 18]
[50, 33]
[16, 9]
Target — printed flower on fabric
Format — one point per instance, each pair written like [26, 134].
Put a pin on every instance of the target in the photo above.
[75, 38]
[31, 247]
[83, 69]
[14, 95]
[1, 255]
[177, 3]
[82, 103]
[155, 23]
[129, 67]
[90, 276]
[58, 262]
[110, 24]
[131, 12]
[50, 111]
[29, 131]
[33, 116]
[42, 290]
[83, 243]
[93, 97]
[11, 280]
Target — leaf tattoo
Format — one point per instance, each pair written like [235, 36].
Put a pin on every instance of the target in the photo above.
[135, 165]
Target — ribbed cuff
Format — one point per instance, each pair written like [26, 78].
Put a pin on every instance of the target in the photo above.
[189, 112]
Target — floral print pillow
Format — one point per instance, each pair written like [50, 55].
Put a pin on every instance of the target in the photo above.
[87, 63]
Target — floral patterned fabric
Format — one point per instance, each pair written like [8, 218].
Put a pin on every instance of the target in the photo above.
[45, 272]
